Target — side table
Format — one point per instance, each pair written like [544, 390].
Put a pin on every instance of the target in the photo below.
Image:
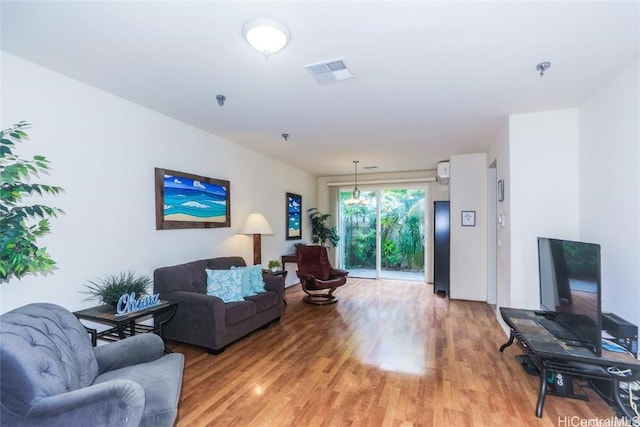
[127, 324]
[551, 355]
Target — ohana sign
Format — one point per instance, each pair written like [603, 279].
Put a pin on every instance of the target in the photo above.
[128, 302]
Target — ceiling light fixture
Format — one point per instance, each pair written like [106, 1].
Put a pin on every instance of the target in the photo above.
[221, 99]
[542, 67]
[355, 199]
[285, 136]
[266, 35]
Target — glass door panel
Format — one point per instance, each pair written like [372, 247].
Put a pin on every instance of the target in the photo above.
[358, 235]
[402, 234]
[394, 248]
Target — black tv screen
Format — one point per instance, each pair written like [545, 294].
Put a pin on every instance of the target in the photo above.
[570, 292]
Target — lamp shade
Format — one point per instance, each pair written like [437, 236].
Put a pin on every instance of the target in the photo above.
[256, 224]
[266, 35]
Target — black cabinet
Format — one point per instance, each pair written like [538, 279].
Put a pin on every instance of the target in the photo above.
[441, 222]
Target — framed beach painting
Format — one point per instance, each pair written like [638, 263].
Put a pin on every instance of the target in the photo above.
[294, 216]
[184, 200]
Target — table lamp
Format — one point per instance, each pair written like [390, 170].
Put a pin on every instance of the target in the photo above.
[257, 225]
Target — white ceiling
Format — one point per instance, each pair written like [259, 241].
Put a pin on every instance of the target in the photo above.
[432, 78]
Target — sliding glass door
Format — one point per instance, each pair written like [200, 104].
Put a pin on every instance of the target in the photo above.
[383, 234]
[358, 233]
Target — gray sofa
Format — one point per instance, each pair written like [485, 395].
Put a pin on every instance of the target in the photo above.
[206, 320]
[53, 376]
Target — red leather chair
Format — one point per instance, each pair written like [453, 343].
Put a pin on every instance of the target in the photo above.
[317, 277]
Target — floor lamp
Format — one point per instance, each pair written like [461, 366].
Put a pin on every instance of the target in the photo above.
[257, 225]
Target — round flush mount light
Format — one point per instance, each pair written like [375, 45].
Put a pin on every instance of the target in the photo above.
[266, 35]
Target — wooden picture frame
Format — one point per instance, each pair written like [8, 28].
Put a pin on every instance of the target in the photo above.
[294, 216]
[184, 200]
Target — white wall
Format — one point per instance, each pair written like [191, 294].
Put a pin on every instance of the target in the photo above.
[499, 153]
[610, 188]
[543, 196]
[103, 151]
[468, 192]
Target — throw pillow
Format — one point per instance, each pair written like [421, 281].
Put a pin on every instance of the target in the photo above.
[225, 284]
[252, 281]
[257, 282]
[246, 288]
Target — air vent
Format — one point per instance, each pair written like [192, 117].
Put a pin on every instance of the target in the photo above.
[330, 71]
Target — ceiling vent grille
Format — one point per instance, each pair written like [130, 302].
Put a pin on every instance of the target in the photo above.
[330, 71]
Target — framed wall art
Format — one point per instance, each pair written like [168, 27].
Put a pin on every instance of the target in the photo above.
[184, 200]
[294, 216]
[468, 218]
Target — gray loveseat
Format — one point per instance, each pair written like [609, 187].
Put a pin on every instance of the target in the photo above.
[53, 376]
[206, 320]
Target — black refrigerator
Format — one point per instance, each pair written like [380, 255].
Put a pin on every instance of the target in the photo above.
[441, 222]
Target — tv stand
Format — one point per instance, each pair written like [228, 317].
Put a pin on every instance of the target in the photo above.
[553, 356]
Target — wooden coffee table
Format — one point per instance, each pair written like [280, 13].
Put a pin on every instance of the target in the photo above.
[122, 326]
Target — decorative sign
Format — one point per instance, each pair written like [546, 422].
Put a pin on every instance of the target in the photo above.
[128, 302]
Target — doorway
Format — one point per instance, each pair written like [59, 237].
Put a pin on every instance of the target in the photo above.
[383, 233]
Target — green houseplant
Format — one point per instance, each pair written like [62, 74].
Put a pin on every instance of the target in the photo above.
[320, 229]
[109, 289]
[21, 224]
[274, 264]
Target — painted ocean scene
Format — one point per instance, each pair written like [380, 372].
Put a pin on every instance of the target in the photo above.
[294, 216]
[193, 200]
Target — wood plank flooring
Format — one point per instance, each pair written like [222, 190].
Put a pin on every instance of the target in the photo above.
[389, 353]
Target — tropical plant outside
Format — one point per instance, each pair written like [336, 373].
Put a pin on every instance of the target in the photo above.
[401, 230]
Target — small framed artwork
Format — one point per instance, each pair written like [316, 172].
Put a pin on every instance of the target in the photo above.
[468, 218]
[294, 216]
[501, 190]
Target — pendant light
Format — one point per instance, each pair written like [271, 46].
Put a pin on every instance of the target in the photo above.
[355, 199]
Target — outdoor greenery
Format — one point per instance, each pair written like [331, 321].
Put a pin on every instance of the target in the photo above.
[401, 230]
[109, 289]
[21, 224]
[320, 229]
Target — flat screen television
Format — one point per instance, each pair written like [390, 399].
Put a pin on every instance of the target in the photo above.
[570, 295]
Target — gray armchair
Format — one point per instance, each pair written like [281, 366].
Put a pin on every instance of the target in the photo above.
[51, 374]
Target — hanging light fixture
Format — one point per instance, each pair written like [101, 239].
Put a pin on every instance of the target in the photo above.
[266, 35]
[355, 199]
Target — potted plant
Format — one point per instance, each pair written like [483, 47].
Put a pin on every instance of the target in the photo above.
[109, 289]
[320, 230]
[274, 264]
[22, 225]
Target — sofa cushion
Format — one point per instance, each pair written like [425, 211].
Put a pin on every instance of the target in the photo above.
[225, 262]
[236, 312]
[225, 284]
[189, 277]
[264, 300]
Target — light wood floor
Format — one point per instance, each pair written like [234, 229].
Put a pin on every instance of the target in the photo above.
[389, 353]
